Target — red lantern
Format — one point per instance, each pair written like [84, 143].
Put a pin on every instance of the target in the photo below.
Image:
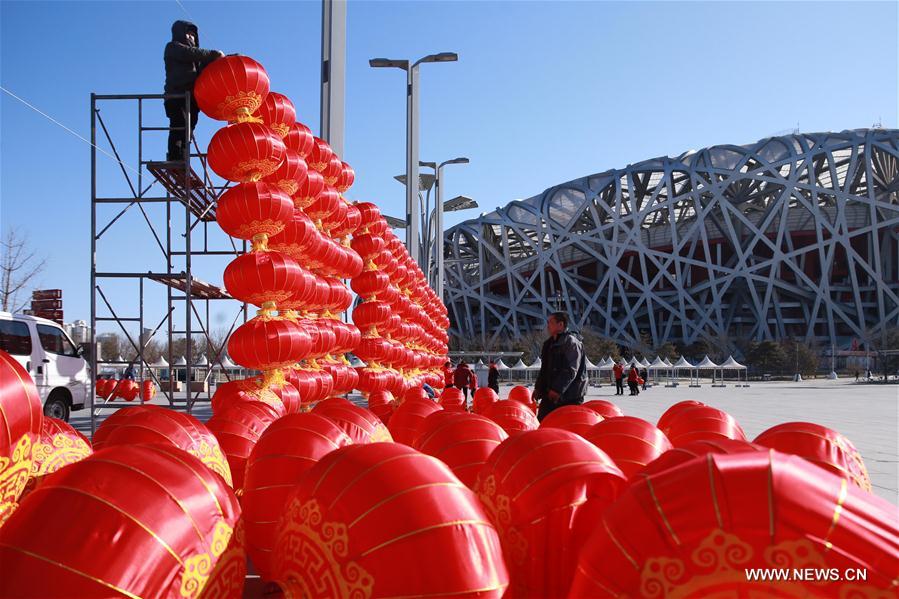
[407, 419]
[604, 408]
[324, 204]
[370, 316]
[245, 152]
[333, 171]
[268, 343]
[147, 390]
[821, 446]
[254, 209]
[703, 423]
[668, 416]
[291, 175]
[347, 177]
[483, 398]
[320, 155]
[521, 394]
[262, 277]
[461, 441]
[238, 429]
[21, 422]
[154, 424]
[161, 525]
[59, 445]
[750, 511]
[231, 88]
[361, 425]
[371, 516]
[371, 216]
[545, 491]
[577, 419]
[299, 138]
[453, 400]
[278, 112]
[630, 442]
[416, 393]
[283, 453]
[513, 416]
[283, 400]
[309, 190]
[678, 455]
[298, 239]
[350, 222]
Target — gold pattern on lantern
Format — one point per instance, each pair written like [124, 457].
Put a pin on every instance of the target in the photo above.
[212, 457]
[14, 474]
[243, 105]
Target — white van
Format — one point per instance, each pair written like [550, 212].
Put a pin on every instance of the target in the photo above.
[44, 349]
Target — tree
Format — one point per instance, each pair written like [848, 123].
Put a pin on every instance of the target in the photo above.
[19, 267]
[667, 350]
[766, 356]
[806, 355]
[598, 347]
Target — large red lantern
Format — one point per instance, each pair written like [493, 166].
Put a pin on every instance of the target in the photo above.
[299, 138]
[483, 398]
[298, 239]
[405, 424]
[678, 455]
[254, 210]
[231, 88]
[703, 423]
[369, 316]
[350, 222]
[269, 343]
[604, 408]
[238, 429]
[453, 400]
[821, 446]
[361, 425]
[333, 171]
[320, 155]
[324, 204]
[262, 277]
[696, 530]
[461, 441]
[291, 175]
[59, 446]
[370, 517]
[245, 152]
[278, 112]
[284, 452]
[242, 390]
[152, 521]
[155, 424]
[21, 422]
[577, 419]
[309, 190]
[668, 416]
[630, 442]
[347, 177]
[545, 490]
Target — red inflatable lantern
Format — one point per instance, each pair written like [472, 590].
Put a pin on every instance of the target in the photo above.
[254, 210]
[545, 490]
[151, 521]
[745, 512]
[278, 112]
[231, 88]
[405, 424]
[261, 277]
[150, 424]
[347, 177]
[703, 423]
[333, 171]
[269, 343]
[668, 416]
[461, 441]
[630, 442]
[59, 445]
[284, 452]
[577, 419]
[299, 138]
[238, 429]
[298, 239]
[371, 515]
[361, 425]
[245, 152]
[243, 390]
[309, 190]
[320, 155]
[21, 422]
[821, 446]
[453, 400]
[291, 175]
[604, 408]
[678, 455]
[483, 398]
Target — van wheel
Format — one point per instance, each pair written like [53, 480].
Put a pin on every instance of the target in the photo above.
[56, 406]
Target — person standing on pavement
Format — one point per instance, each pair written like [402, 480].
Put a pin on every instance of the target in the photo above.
[632, 379]
[184, 60]
[463, 378]
[562, 379]
[493, 377]
[448, 375]
[618, 373]
[644, 374]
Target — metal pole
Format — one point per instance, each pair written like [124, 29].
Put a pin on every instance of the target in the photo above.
[93, 333]
[333, 88]
[412, 184]
[438, 242]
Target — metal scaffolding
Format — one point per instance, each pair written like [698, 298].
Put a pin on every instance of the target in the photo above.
[190, 195]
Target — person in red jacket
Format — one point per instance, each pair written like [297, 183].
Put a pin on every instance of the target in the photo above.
[448, 375]
[618, 373]
[633, 380]
[464, 379]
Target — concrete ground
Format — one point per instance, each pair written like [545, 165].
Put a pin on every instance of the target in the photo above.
[868, 414]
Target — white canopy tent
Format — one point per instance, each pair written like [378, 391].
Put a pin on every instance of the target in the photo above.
[518, 370]
[731, 364]
[500, 365]
[708, 364]
[160, 363]
[536, 365]
[682, 364]
[594, 376]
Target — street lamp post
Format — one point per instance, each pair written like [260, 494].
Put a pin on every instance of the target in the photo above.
[412, 232]
[439, 207]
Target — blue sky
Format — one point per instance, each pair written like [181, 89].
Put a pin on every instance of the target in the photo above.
[544, 92]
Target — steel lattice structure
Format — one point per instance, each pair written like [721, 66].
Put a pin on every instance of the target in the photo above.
[794, 236]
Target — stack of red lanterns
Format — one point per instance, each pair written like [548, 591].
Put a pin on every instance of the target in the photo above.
[287, 203]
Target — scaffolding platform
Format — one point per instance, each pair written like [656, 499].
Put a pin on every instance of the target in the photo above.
[187, 188]
[198, 289]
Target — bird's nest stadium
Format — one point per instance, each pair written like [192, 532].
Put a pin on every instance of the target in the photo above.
[793, 236]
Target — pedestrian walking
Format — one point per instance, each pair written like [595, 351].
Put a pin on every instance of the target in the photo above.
[632, 378]
[645, 376]
[448, 373]
[464, 379]
[184, 60]
[562, 379]
[856, 376]
[493, 377]
[618, 373]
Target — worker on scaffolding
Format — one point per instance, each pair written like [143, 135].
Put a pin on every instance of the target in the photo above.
[184, 60]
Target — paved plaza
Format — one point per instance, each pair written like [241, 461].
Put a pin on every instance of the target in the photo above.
[868, 414]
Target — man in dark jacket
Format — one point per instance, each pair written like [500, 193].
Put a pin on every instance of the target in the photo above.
[184, 59]
[462, 378]
[562, 379]
[493, 377]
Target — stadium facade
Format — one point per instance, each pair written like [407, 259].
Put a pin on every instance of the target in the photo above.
[793, 236]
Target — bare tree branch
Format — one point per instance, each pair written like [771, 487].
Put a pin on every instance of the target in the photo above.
[19, 267]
